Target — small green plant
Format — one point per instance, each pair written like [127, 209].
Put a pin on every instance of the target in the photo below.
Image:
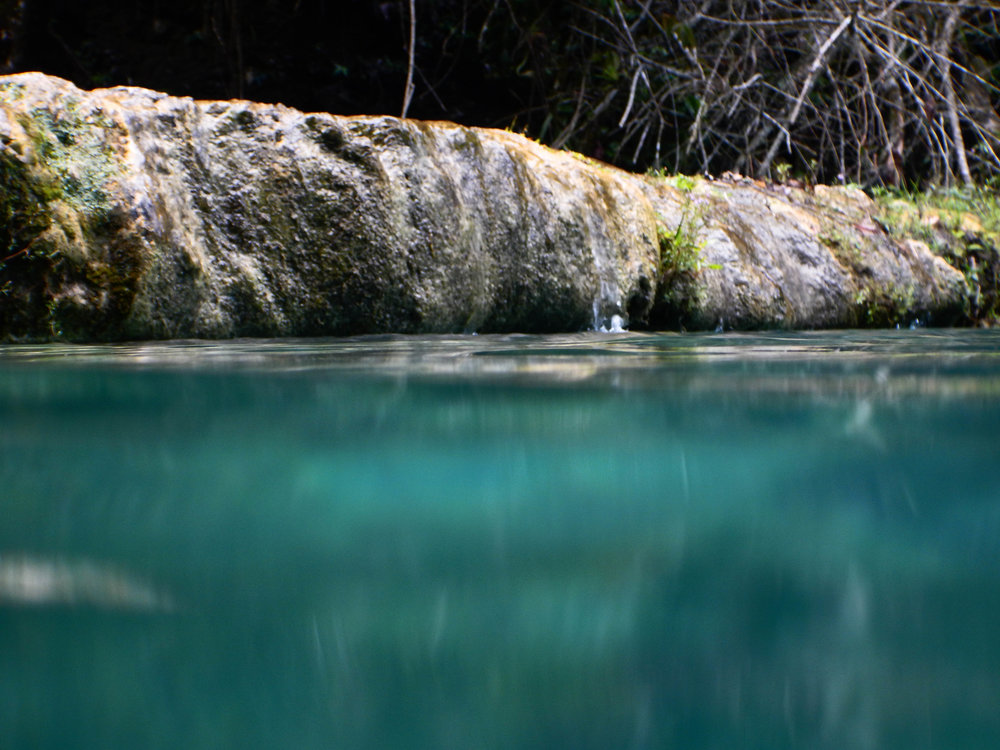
[681, 247]
[684, 183]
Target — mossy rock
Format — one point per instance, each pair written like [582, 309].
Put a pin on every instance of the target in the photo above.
[69, 266]
[962, 226]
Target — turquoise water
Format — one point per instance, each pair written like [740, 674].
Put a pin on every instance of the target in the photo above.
[596, 541]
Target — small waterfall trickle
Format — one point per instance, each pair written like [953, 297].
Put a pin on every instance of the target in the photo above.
[614, 324]
[608, 314]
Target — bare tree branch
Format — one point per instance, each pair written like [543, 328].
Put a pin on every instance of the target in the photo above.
[865, 90]
[408, 92]
[944, 62]
[817, 64]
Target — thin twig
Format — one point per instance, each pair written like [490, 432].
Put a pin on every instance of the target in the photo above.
[944, 62]
[408, 92]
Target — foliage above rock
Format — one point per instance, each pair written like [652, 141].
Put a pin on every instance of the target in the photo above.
[865, 91]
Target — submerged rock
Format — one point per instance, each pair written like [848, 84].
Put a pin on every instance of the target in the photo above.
[130, 214]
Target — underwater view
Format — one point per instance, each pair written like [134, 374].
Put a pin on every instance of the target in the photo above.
[623, 540]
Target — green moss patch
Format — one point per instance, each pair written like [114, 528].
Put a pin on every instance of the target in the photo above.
[76, 149]
[69, 258]
[960, 225]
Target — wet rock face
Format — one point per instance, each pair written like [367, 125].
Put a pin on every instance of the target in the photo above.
[125, 213]
[164, 217]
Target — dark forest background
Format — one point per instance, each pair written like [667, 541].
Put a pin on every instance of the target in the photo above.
[899, 92]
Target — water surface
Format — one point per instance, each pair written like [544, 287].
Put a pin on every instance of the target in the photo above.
[788, 540]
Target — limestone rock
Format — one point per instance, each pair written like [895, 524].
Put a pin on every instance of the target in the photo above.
[775, 256]
[130, 214]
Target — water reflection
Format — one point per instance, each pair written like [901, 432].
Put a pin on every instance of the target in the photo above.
[43, 582]
[813, 363]
[782, 541]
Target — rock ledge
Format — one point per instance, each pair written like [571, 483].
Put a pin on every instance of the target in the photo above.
[129, 214]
